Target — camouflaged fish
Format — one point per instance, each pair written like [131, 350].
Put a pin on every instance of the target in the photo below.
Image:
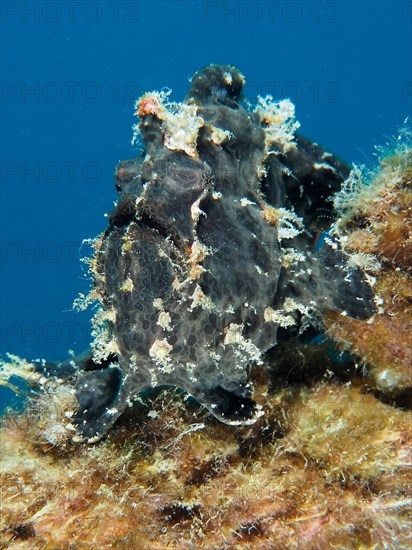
[209, 251]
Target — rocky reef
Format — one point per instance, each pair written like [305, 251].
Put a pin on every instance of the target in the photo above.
[326, 466]
[375, 222]
[249, 380]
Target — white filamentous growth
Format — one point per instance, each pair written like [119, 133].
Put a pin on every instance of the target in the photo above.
[281, 124]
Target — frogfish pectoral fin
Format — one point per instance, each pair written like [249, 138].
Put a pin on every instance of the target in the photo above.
[102, 398]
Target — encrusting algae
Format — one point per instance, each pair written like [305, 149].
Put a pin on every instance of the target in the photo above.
[326, 466]
[375, 225]
[325, 463]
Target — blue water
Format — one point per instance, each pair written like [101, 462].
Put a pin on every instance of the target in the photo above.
[70, 73]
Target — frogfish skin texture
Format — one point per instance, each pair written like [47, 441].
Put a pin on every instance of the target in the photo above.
[192, 272]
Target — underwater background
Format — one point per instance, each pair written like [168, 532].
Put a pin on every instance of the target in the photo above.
[71, 73]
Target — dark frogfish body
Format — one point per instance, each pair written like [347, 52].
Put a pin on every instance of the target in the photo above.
[209, 251]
